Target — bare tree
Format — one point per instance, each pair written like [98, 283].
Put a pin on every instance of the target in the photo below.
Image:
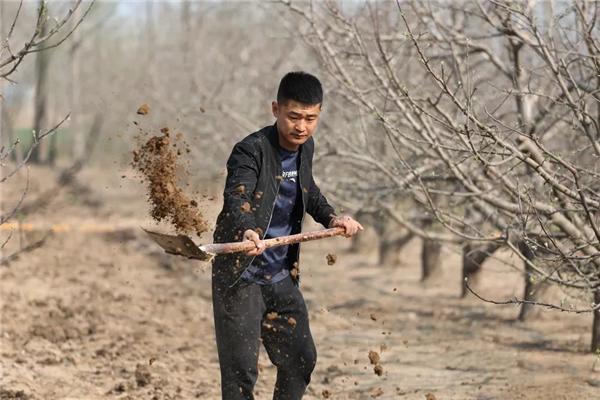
[40, 39]
[43, 38]
[491, 114]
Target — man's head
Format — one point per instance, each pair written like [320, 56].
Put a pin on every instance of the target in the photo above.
[297, 108]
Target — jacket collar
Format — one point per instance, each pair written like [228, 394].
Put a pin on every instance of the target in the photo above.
[273, 137]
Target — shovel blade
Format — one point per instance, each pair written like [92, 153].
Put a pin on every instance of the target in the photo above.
[180, 245]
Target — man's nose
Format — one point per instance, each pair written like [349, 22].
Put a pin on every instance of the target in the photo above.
[300, 126]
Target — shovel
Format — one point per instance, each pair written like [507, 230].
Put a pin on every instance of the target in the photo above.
[182, 245]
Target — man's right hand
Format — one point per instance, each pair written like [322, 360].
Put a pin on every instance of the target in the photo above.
[260, 246]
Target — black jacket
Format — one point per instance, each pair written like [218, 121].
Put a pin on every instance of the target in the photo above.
[253, 177]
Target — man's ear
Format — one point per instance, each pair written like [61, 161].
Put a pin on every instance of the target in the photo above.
[275, 108]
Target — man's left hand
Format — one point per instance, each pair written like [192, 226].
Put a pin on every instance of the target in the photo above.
[351, 226]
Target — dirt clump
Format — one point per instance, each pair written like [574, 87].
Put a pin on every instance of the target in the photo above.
[143, 109]
[118, 388]
[375, 359]
[326, 393]
[272, 315]
[156, 160]
[246, 207]
[295, 271]
[142, 375]
[269, 326]
[331, 259]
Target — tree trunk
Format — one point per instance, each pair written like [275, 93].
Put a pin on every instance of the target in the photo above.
[528, 294]
[361, 241]
[387, 253]
[530, 287]
[389, 250]
[41, 94]
[52, 153]
[430, 258]
[473, 258]
[596, 324]
[74, 100]
[430, 252]
[52, 150]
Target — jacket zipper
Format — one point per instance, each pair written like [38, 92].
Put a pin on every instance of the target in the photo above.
[303, 213]
[267, 228]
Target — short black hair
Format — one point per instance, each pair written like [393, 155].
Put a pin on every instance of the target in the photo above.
[301, 87]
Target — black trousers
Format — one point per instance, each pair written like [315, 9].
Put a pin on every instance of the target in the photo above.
[275, 313]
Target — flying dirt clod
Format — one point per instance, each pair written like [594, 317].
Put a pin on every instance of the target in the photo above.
[331, 259]
[156, 160]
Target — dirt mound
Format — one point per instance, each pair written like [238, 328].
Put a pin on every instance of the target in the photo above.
[157, 160]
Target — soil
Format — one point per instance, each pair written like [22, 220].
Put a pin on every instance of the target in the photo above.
[374, 357]
[295, 271]
[12, 394]
[81, 315]
[246, 207]
[156, 159]
[378, 369]
[142, 375]
[143, 109]
[331, 259]
[271, 316]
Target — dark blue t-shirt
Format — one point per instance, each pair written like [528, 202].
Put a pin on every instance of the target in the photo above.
[272, 265]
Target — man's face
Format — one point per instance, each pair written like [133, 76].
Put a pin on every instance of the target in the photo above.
[296, 122]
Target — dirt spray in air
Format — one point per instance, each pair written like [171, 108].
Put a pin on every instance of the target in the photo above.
[156, 159]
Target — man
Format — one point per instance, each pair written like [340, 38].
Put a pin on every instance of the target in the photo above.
[256, 295]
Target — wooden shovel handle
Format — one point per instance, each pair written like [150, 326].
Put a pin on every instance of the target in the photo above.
[247, 245]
